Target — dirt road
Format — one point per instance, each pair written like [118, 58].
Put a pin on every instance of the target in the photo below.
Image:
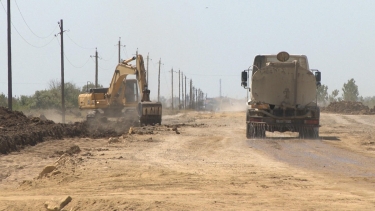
[199, 161]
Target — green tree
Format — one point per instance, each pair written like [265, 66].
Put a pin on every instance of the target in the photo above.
[322, 94]
[18, 103]
[350, 91]
[25, 102]
[51, 98]
[333, 96]
[46, 99]
[3, 100]
[71, 92]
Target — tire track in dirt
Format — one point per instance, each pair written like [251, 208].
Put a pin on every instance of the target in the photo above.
[325, 155]
[363, 119]
[335, 119]
[317, 155]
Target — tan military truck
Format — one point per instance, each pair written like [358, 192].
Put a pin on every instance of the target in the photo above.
[283, 96]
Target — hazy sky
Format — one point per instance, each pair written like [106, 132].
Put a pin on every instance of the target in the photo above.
[206, 40]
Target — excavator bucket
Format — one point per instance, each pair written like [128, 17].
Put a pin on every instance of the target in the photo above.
[149, 113]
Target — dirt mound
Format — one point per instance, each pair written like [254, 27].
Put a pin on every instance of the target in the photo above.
[17, 130]
[348, 107]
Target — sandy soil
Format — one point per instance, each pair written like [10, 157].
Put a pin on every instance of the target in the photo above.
[199, 161]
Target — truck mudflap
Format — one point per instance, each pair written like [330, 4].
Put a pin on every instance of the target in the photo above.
[258, 129]
[149, 113]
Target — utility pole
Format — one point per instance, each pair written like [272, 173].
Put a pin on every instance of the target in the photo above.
[119, 49]
[179, 89]
[192, 98]
[172, 88]
[182, 89]
[148, 57]
[191, 94]
[202, 99]
[62, 71]
[96, 67]
[159, 81]
[185, 94]
[197, 99]
[10, 98]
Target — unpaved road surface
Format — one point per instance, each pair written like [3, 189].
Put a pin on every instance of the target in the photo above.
[199, 161]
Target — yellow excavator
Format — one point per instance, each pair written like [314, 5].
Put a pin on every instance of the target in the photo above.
[121, 99]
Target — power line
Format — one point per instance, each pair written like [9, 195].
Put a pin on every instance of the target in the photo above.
[30, 43]
[110, 58]
[29, 26]
[102, 68]
[75, 65]
[125, 52]
[70, 61]
[23, 37]
[87, 48]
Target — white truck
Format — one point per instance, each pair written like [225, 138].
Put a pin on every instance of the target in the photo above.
[283, 96]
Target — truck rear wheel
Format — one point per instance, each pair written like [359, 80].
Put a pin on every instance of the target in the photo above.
[255, 130]
[309, 133]
[248, 130]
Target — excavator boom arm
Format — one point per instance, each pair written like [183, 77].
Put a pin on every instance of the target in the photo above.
[121, 72]
[141, 77]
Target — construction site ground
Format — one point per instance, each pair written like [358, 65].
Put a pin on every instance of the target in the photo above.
[198, 161]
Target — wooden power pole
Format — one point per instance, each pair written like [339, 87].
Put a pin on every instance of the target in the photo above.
[10, 106]
[119, 49]
[179, 89]
[193, 97]
[191, 94]
[182, 89]
[172, 88]
[62, 71]
[96, 67]
[197, 93]
[185, 93]
[159, 81]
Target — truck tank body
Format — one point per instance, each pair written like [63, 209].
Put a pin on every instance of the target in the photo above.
[283, 84]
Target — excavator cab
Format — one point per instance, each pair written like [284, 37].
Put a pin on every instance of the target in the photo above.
[131, 91]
